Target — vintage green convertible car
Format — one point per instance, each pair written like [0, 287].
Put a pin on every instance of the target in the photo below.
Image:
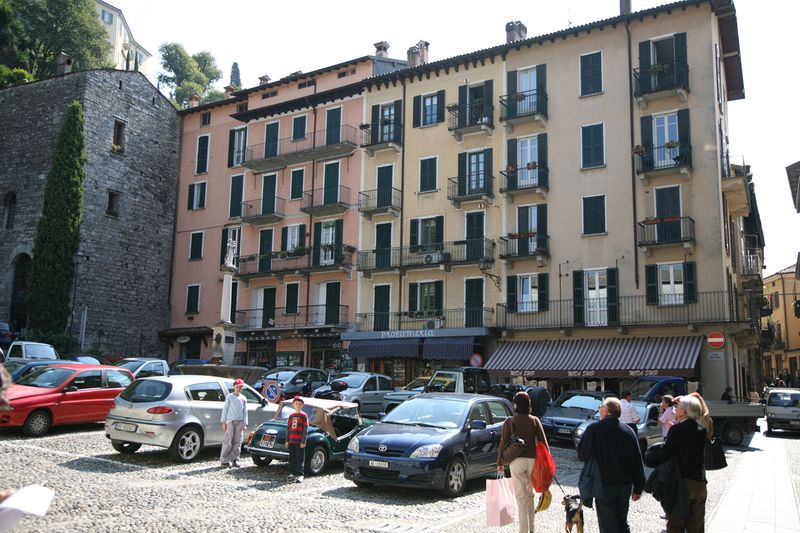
[331, 426]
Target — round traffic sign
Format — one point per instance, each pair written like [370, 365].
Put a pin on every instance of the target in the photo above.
[715, 339]
[476, 359]
[272, 391]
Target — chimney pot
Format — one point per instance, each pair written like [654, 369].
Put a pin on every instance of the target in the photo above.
[423, 51]
[263, 80]
[63, 64]
[381, 49]
[516, 31]
[229, 90]
[194, 100]
[624, 7]
[414, 57]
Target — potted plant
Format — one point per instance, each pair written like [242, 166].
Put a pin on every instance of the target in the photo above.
[659, 68]
[364, 127]
[671, 145]
[532, 165]
[299, 250]
[652, 220]
[511, 168]
[519, 97]
[638, 150]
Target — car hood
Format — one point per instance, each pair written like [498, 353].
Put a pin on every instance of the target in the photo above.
[567, 413]
[404, 437]
[402, 394]
[20, 392]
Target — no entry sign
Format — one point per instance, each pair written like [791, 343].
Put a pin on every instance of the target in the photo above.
[715, 340]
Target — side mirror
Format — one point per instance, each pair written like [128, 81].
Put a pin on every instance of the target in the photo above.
[71, 388]
[477, 424]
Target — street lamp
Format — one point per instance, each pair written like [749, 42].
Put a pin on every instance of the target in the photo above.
[78, 255]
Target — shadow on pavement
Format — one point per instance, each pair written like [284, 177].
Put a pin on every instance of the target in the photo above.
[398, 495]
[782, 434]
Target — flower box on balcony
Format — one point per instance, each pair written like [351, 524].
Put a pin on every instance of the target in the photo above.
[523, 235]
[671, 145]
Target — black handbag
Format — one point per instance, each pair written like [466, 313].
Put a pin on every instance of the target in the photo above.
[514, 447]
[714, 455]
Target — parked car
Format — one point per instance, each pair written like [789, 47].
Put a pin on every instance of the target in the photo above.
[144, 367]
[19, 368]
[31, 350]
[293, 380]
[783, 409]
[569, 411]
[395, 398]
[55, 395]
[174, 367]
[434, 441]
[331, 426]
[181, 413]
[507, 390]
[648, 428]
[6, 334]
[364, 389]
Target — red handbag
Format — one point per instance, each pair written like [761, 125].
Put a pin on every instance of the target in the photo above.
[544, 468]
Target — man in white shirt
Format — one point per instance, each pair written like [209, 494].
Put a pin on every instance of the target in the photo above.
[234, 422]
[629, 415]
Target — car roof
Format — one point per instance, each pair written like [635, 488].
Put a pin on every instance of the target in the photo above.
[137, 358]
[85, 366]
[322, 403]
[32, 342]
[785, 390]
[188, 379]
[460, 396]
[357, 373]
[595, 393]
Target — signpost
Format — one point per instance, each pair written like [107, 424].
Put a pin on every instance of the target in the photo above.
[715, 340]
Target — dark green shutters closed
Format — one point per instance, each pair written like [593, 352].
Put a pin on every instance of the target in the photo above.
[265, 250]
[332, 307]
[475, 235]
[511, 164]
[196, 246]
[271, 140]
[439, 231]
[297, 183]
[690, 282]
[284, 239]
[542, 163]
[197, 195]
[523, 245]
[231, 146]
[592, 146]
[594, 215]
[413, 297]
[268, 195]
[292, 297]
[193, 299]
[541, 227]
[612, 293]
[511, 101]
[383, 245]
[333, 129]
[462, 174]
[299, 128]
[315, 252]
[427, 174]
[201, 164]
[380, 307]
[684, 137]
[651, 284]
[488, 172]
[331, 188]
[414, 234]
[375, 125]
[488, 98]
[268, 308]
[577, 298]
[511, 294]
[544, 291]
[384, 182]
[591, 74]
[463, 102]
[417, 112]
[681, 67]
[648, 158]
[541, 89]
[235, 206]
[396, 127]
[438, 297]
[439, 106]
[223, 246]
[338, 242]
[234, 301]
[473, 302]
[644, 67]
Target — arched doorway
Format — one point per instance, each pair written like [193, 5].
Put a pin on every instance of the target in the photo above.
[19, 293]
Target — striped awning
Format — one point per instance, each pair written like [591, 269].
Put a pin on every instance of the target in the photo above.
[609, 358]
[384, 348]
[455, 348]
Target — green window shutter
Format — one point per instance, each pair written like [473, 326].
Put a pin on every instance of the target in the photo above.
[439, 229]
[193, 299]
[594, 216]
[644, 67]
[586, 76]
[292, 293]
[338, 241]
[223, 246]
[201, 187]
[462, 106]
[438, 297]
[190, 204]
[231, 145]
[375, 128]
[523, 245]
[271, 140]
[541, 141]
[541, 89]
[398, 121]
[301, 235]
[299, 128]
[612, 292]
[414, 234]
[317, 243]
[511, 87]
[681, 68]
[297, 183]
[651, 284]
[511, 162]
[577, 298]
[461, 180]
[440, 106]
[511, 294]
[265, 250]
[541, 219]
[413, 294]
[592, 145]
[235, 207]
[202, 155]
[234, 300]
[591, 73]
[417, 109]
[690, 281]
[488, 170]
[488, 99]
[427, 174]
[284, 239]
[684, 136]
[544, 291]
[646, 123]
[196, 247]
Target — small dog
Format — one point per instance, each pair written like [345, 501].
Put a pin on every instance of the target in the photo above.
[574, 509]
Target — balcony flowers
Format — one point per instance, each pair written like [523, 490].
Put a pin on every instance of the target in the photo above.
[638, 150]
[660, 220]
[522, 235]
[671, 145]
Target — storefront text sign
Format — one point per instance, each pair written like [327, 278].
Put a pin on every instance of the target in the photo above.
[716, 356]
[407, 334]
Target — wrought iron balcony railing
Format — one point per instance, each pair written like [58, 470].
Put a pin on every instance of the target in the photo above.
[523, 104]
[471, 187]
[381, 135]
[263, 210]
[661, 77]
[669, 156]
[301, 259]
[666, 230]
[473, 317]
[301, 316]
[470, 116]
[464, 251]
[524, 178]
[379, 201]
[379, 259]
[326, 201]
[327, 143]
[518, 245]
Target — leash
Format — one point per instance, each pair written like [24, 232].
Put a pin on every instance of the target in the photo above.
[559, 485]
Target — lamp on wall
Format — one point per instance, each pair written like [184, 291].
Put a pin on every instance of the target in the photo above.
[484, 266]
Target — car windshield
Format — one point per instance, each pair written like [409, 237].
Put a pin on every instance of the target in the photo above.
[444, 381]
[353, 381]
[4, 327]
[130, 365]
[13, 367]
[146, 390]
[40, 351]
[417, 384]
[441, 413]
[784, 399]
[579, 401]
[47, 377]
[280, 375]
[641, 388]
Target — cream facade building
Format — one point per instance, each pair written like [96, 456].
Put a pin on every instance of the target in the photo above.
[126, 53]
[781, 336]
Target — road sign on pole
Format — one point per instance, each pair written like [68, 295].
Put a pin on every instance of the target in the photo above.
[715, 340]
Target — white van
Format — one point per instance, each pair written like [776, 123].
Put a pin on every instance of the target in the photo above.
[783, 409]
[31, 350]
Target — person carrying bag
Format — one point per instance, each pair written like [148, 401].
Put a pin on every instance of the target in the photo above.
[501, 506]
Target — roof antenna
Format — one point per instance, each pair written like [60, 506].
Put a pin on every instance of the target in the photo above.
[569, 18]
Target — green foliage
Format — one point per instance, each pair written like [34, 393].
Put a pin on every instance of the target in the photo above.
[212, 95]
[236, 79]
[186, 74]
[13, 76]
[58, 231]
[33, 32]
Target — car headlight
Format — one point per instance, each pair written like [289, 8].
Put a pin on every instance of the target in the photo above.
[429, 451]
[579, 432]
[353, 446]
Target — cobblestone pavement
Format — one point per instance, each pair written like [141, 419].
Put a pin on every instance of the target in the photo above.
[98, 489]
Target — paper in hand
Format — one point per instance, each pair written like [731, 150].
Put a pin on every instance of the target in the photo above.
[33, 499]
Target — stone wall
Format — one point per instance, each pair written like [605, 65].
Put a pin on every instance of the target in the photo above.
[123, 276]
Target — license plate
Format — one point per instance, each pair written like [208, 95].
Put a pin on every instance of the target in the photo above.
[795, 422]
[565, 431]
[130, 428]
[379, 464]
[267, 441]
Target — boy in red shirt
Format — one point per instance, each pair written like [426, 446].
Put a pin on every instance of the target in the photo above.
[296, 431]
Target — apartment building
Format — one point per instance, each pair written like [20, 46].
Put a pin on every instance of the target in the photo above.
[126, 53]
[781, 334]
[563, 207]
[273, 170]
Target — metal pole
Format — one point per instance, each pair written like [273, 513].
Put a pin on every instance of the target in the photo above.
[72, 314]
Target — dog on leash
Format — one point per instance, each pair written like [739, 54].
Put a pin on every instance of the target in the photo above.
[574, 510]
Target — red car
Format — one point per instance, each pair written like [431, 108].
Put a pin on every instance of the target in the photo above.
[55, 395]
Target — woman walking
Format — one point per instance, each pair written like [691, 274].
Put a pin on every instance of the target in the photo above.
[525, 427]
[666, 418]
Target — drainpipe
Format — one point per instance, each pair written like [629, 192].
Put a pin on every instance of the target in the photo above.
[402, 198]
[632, 143]
[311, 221]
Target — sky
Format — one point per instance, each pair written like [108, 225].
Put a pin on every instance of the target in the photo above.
[278, 38]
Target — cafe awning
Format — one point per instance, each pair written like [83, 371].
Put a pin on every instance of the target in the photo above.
[608, 358]
[384, 348]
[454, 348]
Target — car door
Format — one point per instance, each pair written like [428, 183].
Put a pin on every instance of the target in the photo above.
[499, 411]
[114, 383]
[297, 383]
[370, 396]
[384, 388]
[481, 445]
[88, 402]
[206, 401]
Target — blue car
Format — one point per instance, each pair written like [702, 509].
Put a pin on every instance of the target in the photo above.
[19, 368]
[432, 441]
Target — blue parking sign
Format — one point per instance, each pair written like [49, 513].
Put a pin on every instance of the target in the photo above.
[272, 391]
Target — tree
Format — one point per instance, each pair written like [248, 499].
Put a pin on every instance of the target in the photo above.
[33, 32]
[186, 74]
[236, 79]
[58, 231]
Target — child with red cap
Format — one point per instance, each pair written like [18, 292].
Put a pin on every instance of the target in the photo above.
[234, 422]
[296, 431]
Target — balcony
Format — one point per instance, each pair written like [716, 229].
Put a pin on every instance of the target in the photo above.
[523, 107]
[471, 188]
[479, 317]
[735, 186]
[291, 318]
[710, 307]
[444, 254]
[666, 231]
[386, 135]
[327, 201]
[668, 159]
[751, 264]
[470, 118]
[379, 201]
[662, 80]
[530, 178]
[316, 146]
[528, 246]
[378, 260]
[263, 211]
[332, 257]
[273, 264]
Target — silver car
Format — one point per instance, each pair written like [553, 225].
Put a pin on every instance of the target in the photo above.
[363, 388]
[649, 430]
[181, 413]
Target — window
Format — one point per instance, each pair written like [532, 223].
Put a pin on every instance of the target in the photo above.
[116, 379]
[293, 238]
[193, 299]
[112, 205]
[430, 109]
[196, 245]
[206, 392]
[341, 74]
[426, 298]
[299, 128]
[234, 301]
[385, 384]
[235, 205]
[239, 146]
[292, 294]
[205, 118]
[499, 411]
[328, 243]
[595, 287]
[528, 291]
[427, 234]
[270, 94]
[478, 411]
[594, 215]
[241, 108]
[197, 195]
[387, 125]
[427, 174]
[201, 162]
[298, 175]
[528, 162]
[371, 385]
[665, 140]
[92, 379]
[670, 284]
[271, 139]
[106, 17]
[118, 142]
[249, 395]
[591, 73]
[592, 146]
[304, 84]
[10, 210]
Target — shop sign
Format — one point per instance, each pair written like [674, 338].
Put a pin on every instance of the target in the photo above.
[580, 373]
[642, 373]
[407, 334]
[716, 356]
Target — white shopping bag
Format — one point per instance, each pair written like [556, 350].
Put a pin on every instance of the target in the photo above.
[501, 506]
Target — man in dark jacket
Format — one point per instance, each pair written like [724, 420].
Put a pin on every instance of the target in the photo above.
[616, 450]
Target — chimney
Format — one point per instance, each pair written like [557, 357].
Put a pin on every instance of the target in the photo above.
[263, 80]
[194, 100]
[516, 31]
[423, 51]
[381, 49]
[624, 7]
[229, 90]
[63, 64]
[414, 57]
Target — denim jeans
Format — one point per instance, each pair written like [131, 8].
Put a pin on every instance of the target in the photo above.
[297, 459]
[612, 509]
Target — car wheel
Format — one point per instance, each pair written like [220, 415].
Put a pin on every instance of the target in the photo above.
[125, 447]
[733, 434]
[316, 461]
[37, 424]
[455, 476]
[186, 444]
[260, 460]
